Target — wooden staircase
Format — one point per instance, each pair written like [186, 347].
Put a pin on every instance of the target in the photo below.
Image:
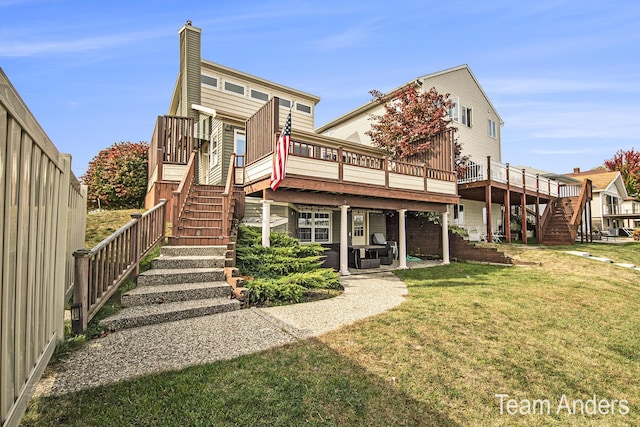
[202, 221]
[563, 216]
[558, 231]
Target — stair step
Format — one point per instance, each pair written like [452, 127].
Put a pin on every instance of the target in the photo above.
[198, 241]
[173, 276]
[219, 250]
[159, 294]
[184, 262]
[132, 317]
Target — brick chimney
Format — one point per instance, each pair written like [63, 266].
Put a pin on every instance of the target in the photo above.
[576, 170]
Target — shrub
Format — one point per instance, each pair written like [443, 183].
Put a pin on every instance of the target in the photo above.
[117, 176]
[282, 271]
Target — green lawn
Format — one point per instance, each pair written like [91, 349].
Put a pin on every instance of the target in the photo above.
[561, 326]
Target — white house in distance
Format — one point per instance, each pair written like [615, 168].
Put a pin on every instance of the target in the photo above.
[612, 209]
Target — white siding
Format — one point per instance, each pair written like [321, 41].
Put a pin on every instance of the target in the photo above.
[459, 83]
[406, 182]
[245, 106]
[173, 172]
[312, 168]
[364, 175]
[259, 169]
[438, 186]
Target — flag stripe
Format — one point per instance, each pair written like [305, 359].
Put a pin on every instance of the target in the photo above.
[282, 152]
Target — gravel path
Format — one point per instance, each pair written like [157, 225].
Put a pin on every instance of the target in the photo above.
[176, 345]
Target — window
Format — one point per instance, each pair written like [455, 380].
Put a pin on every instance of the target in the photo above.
[207, 80]
[259, 95]
[240, 146]
[314, 226]
[453, 111]
[460, 113]
[458, 214]
[303, 108]
[465, 114]
[232, 87]
[491, 128]
[285, 103]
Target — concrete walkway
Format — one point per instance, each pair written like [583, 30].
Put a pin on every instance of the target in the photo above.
[176, 345]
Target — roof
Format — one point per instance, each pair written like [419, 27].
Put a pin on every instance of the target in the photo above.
[601, 179]
[373, 103]
[546, 174]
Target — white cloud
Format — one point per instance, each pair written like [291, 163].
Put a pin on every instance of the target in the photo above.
[33, 48]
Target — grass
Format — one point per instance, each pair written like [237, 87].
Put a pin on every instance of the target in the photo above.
[102, 224]
[564, 325]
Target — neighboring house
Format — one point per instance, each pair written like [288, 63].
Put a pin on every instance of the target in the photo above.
[487, 186]
[337, 192]
[611, 209]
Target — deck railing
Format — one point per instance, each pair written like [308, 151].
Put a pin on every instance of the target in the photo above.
[100, 271]
[172, 142]
[503, 173]
[351, 157]
[181, 195]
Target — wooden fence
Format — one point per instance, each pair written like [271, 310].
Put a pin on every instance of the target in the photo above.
[42, 220]
[100, 271]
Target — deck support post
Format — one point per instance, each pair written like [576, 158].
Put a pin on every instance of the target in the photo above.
[445, 238]
[344, 240]
[266, 222]
[402, 239]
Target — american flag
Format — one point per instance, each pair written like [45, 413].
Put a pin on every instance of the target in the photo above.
[282, 152]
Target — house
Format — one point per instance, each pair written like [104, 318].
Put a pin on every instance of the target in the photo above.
[493, 196]
[337, 192]
[612, 209]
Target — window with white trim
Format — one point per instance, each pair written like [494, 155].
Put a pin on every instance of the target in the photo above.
[303, 107]
[256, 94]
[465, 115]
[234, 88]
[314, 226]
[208, 80]
[285, 103]
[240, 146]
[491, 128]
[460, 113]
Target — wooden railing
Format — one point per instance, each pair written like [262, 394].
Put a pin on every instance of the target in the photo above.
[351, 157]
[100, 271]
[172, 142]
[586, 194]
[503, 173]
[181, 195]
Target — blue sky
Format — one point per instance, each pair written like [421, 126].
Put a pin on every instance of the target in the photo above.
[563, 75]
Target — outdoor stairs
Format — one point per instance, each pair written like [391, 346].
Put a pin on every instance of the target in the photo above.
[183, 282]
[201, 222]
[558, 231]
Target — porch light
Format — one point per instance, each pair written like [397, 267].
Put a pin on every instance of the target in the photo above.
[76, 318]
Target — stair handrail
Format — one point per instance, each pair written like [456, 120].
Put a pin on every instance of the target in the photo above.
[546, 215]
[585, 194]
[227, 195]
[181, 195]
[100, 271]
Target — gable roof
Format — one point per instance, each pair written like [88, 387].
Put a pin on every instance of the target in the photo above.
[417, 81]
[601, 179]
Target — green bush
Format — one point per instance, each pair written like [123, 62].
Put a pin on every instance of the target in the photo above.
[283, 271]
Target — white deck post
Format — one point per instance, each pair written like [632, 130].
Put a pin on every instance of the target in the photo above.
[445, 237]
[266, 222]
[402, 241]
[344, 241]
